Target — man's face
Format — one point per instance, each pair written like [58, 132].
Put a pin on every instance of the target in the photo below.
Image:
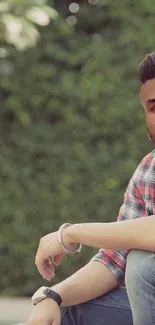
[147, 99]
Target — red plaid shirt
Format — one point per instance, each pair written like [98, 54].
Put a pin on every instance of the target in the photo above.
[139, 201]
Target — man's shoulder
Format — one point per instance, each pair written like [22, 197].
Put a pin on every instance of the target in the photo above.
[148, 160]
[145, 173]
[146, 165]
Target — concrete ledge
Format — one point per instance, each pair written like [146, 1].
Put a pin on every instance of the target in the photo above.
[14, 310]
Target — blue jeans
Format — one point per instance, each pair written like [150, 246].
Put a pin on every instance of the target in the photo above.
[134, 304]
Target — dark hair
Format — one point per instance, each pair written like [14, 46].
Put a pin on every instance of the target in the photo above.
[147, 68]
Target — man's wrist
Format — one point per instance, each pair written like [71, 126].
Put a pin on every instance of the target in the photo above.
[69, 238]
[60, 289]
[44, 293]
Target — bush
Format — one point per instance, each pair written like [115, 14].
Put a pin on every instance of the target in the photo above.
[72, 131]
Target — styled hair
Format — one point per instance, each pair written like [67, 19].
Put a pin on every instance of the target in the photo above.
[147, 68]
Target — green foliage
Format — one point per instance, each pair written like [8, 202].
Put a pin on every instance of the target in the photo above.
[72, 130]
[18, 20]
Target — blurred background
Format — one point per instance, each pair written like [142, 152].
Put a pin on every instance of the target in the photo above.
[71, 127]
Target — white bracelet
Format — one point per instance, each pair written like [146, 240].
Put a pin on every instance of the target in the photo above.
[64, 248]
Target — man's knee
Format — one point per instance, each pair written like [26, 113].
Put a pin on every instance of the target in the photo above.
[140, 284]
[140, 270]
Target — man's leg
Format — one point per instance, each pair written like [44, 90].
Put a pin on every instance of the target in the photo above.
[114, 307]
[140, 283]
[111, 309]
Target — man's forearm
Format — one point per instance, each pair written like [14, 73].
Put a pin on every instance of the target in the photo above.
[121, 235]
[92, 281]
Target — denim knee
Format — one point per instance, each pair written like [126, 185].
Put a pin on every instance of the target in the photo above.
[139, 269]
[140, 285]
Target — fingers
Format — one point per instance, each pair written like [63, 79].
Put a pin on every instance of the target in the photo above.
[43, 263]
[49, 248]
[57, 259]
[40, 322]
[45, 268]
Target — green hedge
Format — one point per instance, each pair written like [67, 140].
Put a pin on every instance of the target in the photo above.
[72, 131]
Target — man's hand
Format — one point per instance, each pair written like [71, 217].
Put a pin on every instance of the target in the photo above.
[46, 312]
[49, 254]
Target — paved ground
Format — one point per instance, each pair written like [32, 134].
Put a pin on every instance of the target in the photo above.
[14, 310]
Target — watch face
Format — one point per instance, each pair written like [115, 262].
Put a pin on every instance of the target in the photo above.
[46, 291]
[39, 295]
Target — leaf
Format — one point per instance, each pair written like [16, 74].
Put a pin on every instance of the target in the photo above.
[38, 16]
[3, 53]
[19, 32]
[52, 13]
[13, 25]
[4, 6]
[6, 67]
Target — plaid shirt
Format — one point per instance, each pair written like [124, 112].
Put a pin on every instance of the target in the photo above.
[139, 201]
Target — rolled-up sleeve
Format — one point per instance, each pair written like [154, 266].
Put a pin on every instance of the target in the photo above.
[132, 208]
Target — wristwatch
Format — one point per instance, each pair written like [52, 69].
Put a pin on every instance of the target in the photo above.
[45, 292]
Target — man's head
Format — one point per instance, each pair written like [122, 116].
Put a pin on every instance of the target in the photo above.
[147, 92]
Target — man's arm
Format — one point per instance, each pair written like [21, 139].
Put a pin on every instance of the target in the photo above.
[114, 260]
[92, 281]
[127, 235]
[114, 236]
[138, 230]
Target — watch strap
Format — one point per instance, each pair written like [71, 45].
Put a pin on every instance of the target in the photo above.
[53, 295]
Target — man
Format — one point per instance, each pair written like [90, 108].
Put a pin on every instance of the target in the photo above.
[94, 295]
